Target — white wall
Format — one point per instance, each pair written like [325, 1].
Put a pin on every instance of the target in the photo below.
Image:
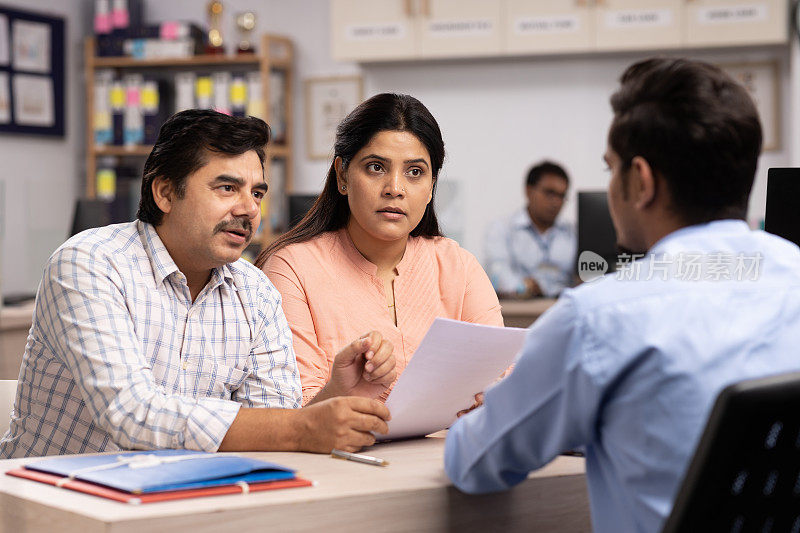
[499, 117]
[42, 175]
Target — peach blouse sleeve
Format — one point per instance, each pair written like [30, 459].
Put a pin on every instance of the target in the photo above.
[312, 362]
[481, 305]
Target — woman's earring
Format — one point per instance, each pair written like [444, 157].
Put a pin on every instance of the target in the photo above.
[344, 187]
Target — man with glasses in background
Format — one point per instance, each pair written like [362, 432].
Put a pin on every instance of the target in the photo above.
[529, 254]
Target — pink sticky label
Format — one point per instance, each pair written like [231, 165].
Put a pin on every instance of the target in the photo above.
[169, 30]
[102, 23]
[132, 97]
[120, 18]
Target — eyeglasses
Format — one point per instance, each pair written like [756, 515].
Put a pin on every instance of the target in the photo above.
[552, 194]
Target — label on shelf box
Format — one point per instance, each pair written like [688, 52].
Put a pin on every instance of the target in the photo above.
[639, 18]
[547, 25]
[375, 32]
[460, 28]
[733, 14]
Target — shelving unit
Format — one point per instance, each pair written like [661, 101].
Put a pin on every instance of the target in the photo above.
[402, 30]
[276, 53]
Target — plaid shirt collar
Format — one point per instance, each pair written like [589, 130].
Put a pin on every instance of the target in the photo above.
[161, 261]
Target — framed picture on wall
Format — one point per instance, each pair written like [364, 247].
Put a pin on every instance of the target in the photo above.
[761, 79]
[31, 73]
[328, 101]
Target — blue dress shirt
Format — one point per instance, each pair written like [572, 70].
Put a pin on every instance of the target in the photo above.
[515, 250]
[628, 367]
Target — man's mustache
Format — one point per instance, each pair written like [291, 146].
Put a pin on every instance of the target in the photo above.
[237, 224]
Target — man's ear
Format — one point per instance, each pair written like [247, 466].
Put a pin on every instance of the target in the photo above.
[529, 189]
[163, 194]
[341, 178]
[643, 183]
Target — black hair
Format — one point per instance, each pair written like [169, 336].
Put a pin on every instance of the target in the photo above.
[382, 112]
[182, 147]
[545, 168]
[698, 130]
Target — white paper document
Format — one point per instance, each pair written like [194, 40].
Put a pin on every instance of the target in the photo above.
[454, 361]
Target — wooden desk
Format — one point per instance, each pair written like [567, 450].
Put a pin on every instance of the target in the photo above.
[522, 313]
[15, 323]
[411, 494]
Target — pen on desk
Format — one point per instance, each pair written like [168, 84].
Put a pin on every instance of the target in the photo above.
[358, 458]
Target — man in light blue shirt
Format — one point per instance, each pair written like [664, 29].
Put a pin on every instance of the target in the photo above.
[628, 366]
[529, 254]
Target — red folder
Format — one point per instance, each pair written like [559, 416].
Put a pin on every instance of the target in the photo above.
[127, 497]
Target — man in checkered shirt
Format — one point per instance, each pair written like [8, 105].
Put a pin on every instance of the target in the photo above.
[155, 334]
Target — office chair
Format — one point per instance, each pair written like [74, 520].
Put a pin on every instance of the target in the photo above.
[745, 474]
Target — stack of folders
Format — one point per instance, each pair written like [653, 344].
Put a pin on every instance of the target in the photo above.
[155, 476]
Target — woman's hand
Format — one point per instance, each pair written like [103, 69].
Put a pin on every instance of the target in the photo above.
[478, 403]
[365, 367]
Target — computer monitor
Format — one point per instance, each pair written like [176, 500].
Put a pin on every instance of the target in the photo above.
[90, 214]
[97, 213]
[595, 230]
[783, 203]
[299, 204]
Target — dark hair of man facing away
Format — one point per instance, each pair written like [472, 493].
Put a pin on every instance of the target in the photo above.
[696, 127]
[183, 144]
[545, 168]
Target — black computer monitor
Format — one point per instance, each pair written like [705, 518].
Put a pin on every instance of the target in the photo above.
[90, 214]
[783, 203]
[299, 204]
[595, 230]
[97, 213]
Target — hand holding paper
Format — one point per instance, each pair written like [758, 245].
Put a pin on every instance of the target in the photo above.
[454, 361]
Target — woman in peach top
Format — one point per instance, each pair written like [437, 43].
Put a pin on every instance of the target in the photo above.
[369, 254]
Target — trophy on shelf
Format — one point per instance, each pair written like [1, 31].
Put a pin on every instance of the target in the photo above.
[214, 45]
[245, 22]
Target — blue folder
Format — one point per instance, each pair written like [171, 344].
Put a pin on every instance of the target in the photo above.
[163, 470]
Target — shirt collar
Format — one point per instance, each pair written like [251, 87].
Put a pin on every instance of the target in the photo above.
[161, 261]
[715, 227]
[522, 220]
[219, 276]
